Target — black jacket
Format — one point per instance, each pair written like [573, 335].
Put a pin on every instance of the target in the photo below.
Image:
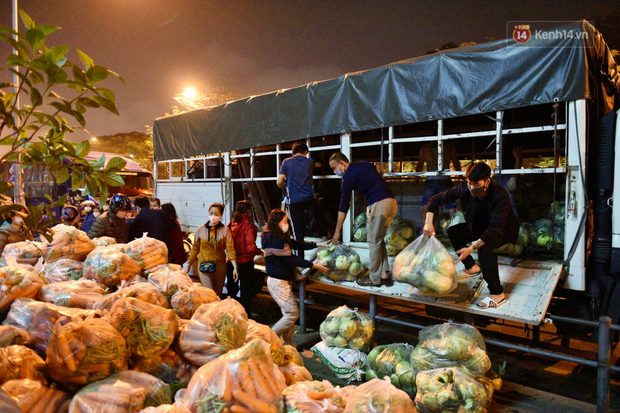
[150, 221]
[280, 261]
[503, 224]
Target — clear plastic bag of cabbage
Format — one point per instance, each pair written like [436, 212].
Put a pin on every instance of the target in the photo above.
[346, 328]
[449, 390]
[540, 233]
[451, 345]
[400, 233]
[427, 265]
[558, 212]
[393, 361]
[515, 249]
[343, 262]
[359, 228]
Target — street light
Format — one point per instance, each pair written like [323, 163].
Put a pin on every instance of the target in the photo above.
[190, 93]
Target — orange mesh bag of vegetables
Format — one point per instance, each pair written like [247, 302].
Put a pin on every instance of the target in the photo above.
[19, 362]
[148, 252]
[294, 373]
[74, 294]
[169, 279]
[313, 397]
[25, 252]
[67, 242]
[104, 241]
[142, 291]
[148, 329]
[186, 300]
[257, 330]
[17, 281]
[169, 367]
[109, 266]
[64, 270]
[84, 351]
[32, 396]
[292, 355]
[213, 330]
[242, 380]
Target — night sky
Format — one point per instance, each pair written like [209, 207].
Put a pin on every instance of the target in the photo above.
[243, 48]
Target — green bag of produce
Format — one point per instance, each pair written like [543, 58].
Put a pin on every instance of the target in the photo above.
[343, 262]
[427, 265]
[393, 361]
[451, 345]
[449, 390]
[346, 328]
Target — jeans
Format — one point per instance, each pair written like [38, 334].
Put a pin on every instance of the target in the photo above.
[297, 213]
[459, 236]
[250, 283]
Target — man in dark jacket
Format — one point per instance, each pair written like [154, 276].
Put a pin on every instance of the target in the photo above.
[112, 222]
[149, 221]
[490, 223]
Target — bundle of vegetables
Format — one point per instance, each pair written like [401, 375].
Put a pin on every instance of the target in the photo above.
[313, 397]
[214, 329]
[186, 300]
[169, 367]
[136, 279]
[64, 270]
[17, 281]
[84, 351]
[25, 252]
[291, 355]
[10, 335]
[19, 362]
[393, 361]
[124, 392]
[169, 279]
[165, 408]
[294, 373]
[515, 249]
[75, 294]
[38, 319]
[148, 329]
[104, 241]
[378, 396]
[360, 233]
[346, 328]
[449, 390]
[32, 396]
[540, 233]
[451, 345]
[148, 252]
[399, 234]
[67, 242]
[343, 262]
[257, 330]
[109, 266]
[427, 265]
[243, 380]
[143, 291]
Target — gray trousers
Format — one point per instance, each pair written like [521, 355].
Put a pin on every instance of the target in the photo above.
[379, 217]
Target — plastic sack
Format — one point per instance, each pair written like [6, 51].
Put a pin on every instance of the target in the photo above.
[398, 235]
[32, 396]
[378, 396]
[17, 281]
[109, 266]
[148, 329]
[124, 392]
[517, 249]
[11, 335]
[294, 373]
[20, 362]
[84, 351]
[393, 361]
[169, 279]
[291, 355]
[449, 390]
[186, 300]
[540, 233]
[75, 294]
[104, 241]
[346, 328]
[451, 345]
[360, 234]
[143, 291]
[136, 279]
[169, 367]
[67, 242]
[25, 252]
[245, 377]
[313, 397]
[165, 408]
[64, 270]
[257, 330]
[148, 252]
[214, 329]
[427, 265]
[343, 262]
[345, 363]
[38, 319]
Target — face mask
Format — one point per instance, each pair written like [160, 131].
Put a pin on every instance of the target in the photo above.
[88, 209]
[121, 214]
[214, 219]
[339, 173]
[284, 228]
[96, 213]
[478, 191]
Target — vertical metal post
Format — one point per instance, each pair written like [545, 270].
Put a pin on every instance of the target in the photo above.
[302, 306]
[440, 165]
[391, 149]
[604, 361]
[536, 334]
[372, 308]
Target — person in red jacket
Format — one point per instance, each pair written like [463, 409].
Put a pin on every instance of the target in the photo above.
[174, 235]
[250, 282]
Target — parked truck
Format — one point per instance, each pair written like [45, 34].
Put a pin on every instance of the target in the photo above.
[558, 98]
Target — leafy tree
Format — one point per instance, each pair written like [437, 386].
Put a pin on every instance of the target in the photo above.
[136, 144]
[55, 92]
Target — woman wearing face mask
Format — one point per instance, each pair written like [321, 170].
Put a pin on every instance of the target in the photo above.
[14, 229]
[212, 243]
[490, 222]
[112, 222]
[280, 263]
[88, 207]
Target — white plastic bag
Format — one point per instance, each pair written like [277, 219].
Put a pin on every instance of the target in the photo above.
[345, 363]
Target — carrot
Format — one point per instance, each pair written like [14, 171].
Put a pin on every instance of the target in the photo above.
[245, 380]
[226, 387]
[54, 402]
[269, 379]
[251, 403]
[62, 346]
[319, 395]
[31, 398]
[260, 385]
[239, 409]
[43, 401]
